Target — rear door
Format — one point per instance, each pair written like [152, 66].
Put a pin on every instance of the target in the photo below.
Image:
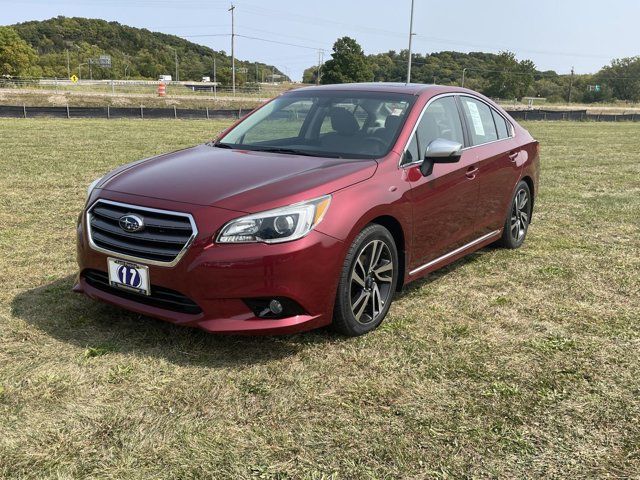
[491, 136]
[444, 203]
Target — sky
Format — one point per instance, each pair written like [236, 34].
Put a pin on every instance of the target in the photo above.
[555, 34]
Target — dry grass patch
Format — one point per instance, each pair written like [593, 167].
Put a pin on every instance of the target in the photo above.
[518, 364]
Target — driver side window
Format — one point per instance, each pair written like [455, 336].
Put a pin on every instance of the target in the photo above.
[440, 120]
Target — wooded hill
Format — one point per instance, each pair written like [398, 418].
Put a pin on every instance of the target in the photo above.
[135, 52]
[500, 75]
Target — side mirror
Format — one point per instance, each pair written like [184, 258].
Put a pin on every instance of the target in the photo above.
[440, 151]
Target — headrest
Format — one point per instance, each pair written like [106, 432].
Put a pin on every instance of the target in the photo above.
[392, 122]
[343, 121]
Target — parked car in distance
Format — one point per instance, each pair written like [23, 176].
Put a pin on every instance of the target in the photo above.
[312, 210]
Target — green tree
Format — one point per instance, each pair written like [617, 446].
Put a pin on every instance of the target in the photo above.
[16, 56]
[549, 89]
[348, 64]
[510, 78]
[383, 66]
[309, 75]
[622, 77]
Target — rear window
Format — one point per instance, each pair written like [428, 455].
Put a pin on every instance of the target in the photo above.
[480, 121]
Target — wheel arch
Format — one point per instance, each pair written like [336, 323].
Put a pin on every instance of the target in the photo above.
[529, 181]
[397, 232]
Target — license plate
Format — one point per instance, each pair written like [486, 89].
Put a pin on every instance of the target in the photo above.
[129, 276]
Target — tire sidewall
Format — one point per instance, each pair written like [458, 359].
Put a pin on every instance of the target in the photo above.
[347, 322]
[508, 240]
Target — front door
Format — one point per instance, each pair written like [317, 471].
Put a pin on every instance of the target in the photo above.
[444, 203]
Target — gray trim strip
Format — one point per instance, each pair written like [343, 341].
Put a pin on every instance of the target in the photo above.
[454, 252]
[131, 257]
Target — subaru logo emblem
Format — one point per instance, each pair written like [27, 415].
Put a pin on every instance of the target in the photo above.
[131, 223]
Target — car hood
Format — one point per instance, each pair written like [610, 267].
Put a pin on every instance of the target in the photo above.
[242, 180]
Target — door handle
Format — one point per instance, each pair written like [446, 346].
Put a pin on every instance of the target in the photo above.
[513, 156]
[471, 172]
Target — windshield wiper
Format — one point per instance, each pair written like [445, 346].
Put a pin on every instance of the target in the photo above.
[294, 151]
[220, 145]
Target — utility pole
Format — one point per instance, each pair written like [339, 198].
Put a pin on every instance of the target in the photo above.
[233, 55]
[464, 70]
[68, 67]
[256, 72]
[175, 56]
[570, 84]
[410, 38]
[215, 81]
[175, 52]
[320, 55]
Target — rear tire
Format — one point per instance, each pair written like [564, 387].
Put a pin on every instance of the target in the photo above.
[367, 282]
[517, 222]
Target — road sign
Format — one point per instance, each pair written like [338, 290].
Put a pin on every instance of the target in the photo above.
[74, 79]
[104, 61]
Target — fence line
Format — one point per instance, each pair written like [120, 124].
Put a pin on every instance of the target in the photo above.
[142, 112]
[575, 115]
[109, 112]
[142, 87]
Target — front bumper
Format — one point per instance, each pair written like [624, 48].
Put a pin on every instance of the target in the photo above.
[218, 277]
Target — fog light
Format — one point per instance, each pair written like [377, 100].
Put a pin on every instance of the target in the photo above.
[273, 307]
[276, 307]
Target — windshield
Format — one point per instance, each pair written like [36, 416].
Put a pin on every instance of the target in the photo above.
[327, 124]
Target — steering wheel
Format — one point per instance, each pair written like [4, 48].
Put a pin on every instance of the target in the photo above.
[382, 145]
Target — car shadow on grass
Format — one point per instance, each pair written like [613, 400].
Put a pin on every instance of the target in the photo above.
[99, 327]
[436, 275]
[75, 319]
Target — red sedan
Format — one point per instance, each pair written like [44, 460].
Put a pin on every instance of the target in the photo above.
[313, 210]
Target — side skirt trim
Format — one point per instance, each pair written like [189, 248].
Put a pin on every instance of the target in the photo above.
[455, 252]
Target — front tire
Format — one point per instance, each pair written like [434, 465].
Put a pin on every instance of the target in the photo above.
[517, 222]
[367, 282]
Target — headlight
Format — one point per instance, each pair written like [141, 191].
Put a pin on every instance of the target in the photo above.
[274, 226]
[92, 185]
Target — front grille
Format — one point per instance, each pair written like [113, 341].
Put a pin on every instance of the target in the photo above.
[162, 240]
[160, 297]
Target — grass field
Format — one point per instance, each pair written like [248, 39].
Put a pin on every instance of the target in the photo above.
[511, 364]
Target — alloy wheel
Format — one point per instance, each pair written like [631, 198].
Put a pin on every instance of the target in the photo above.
[371, 279]
[520, 212]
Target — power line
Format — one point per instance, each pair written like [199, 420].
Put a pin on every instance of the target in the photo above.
[253, 29]
[207, 35]
[278, 42]
[288, 16]
[249, 37]
[508, 48]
